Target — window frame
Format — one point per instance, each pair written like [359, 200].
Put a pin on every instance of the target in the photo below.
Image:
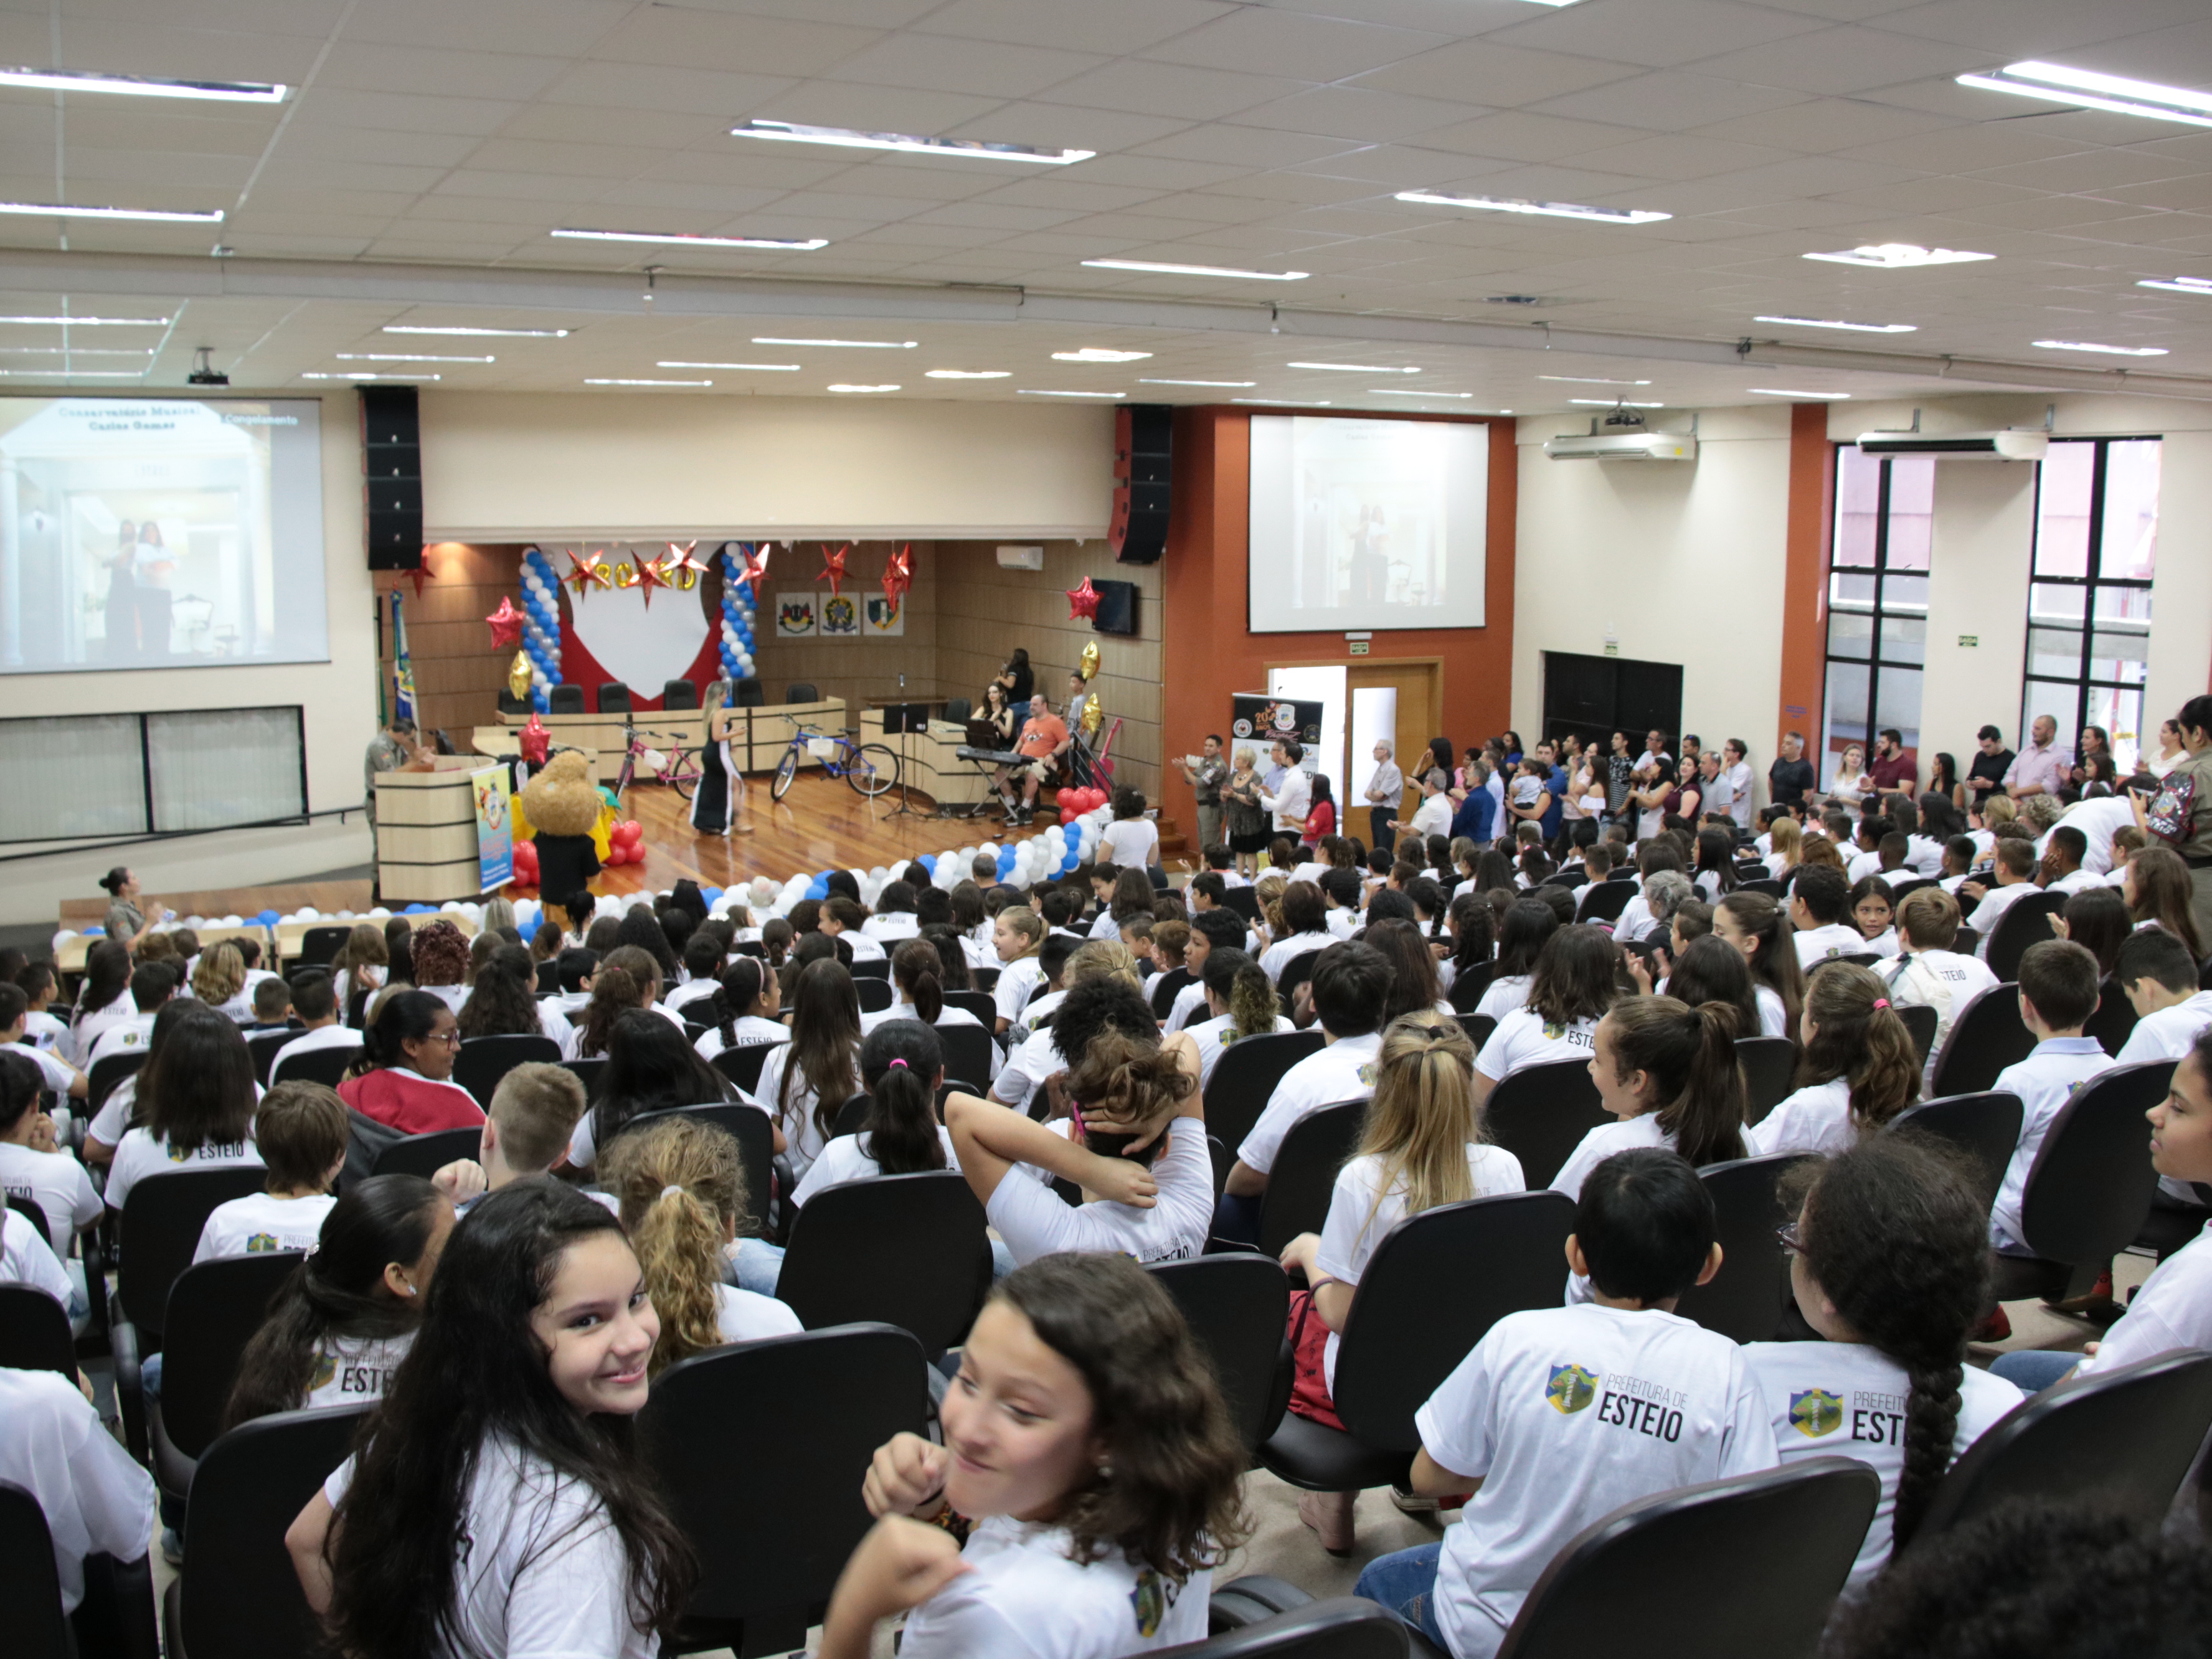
[151, 831]
[1877, 612]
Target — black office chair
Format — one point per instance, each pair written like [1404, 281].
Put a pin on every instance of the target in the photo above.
[873, 968]
[2090, 1186]
[1238, 1306]
[977, 1003]
[968, 1052]
[214, 1308]
[908, 1250]
[2125, 1437]
[1469, 985]
[747, 693]
[587, 1071]
[1244, 901]
[114, 1620]
[853, 1114]
[1304, 1173]
[1246, 1075]
[106, 1071]
[1985, 1128]
[1768, 885]
[755, 1135]
[770, 1500]
[549, 978]
[1339, 1627]
[2114, 1022]
[241, 1600]
[1604, 900]
[480, 1062]
[565, 700]
[33, 1212]
[319, 946]
[1161, 992]
[1770, 1066]
[1478, 1027]
[1402, 1339]
[802, 692]
[679, 695]
[159, 1230]
[1789, 1534]
[876, 994]
[1570, 880]
[1745, 1300]
[742, 1065]
[985, 980]
[1298, 970]
[327, 1067]
[1540, 1113]
[263, 1045]
[425, 1155]
[1921, 1020]
[1985, 1036]
[2025, 921]
[613, 697]
[958, 711]
[511, 704]
[34, 1333]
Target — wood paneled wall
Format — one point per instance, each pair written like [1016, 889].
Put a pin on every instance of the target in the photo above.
[458, 675]
[853, 669]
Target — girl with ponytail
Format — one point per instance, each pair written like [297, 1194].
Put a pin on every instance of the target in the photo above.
[1240, 1003]
[745, 1005]
[342, 1323]
[1890, 1264]
[918, 981]
[1668, 1072]
[682, 1195]
[1759, 930]
[904, 1065]
[1859, 1069]
[1468, 922]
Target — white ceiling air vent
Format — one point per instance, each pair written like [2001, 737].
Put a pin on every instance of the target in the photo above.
[2031, 446]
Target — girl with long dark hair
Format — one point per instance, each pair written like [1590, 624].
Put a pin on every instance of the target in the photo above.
[1576, 978]
[361, 963]
[1522, 932]
[1708, 969]
[1758, 929]
[745, 1005]
[499, 1504]
[1667, 1072]
[1414, 986]
[805, 1083]
[341, 1324]
[195, 1105]
[404, 1075]
[901, 1134]
[650, 1068]
[1239, 1003]
[1859, 1068]
[503, 1001]
[104, 996]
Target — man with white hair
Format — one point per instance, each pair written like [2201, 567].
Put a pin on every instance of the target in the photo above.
[1385, 792]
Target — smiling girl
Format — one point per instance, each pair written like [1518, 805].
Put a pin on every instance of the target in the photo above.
[1086, 1440]
[497, 1506]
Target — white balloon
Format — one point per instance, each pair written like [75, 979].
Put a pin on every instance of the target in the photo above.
[309, 913]
[377, 913]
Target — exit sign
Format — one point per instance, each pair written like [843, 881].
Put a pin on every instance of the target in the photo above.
[1970, 641]
[1357, 647]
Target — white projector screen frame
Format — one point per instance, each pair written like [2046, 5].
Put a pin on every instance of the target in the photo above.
[1366, 524]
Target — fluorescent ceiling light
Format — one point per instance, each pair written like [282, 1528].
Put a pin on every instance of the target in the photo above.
[74, 373]
[1098, 354]
[681, 239]
[90, 322]
[2057, 83]
[365, 376]
[844, 387]
[1590, 379]
[1900, 256]
[1603, 215]
[1141, 380]
[1613, 403]
[1286, 402]
[71, 210]
[1198, 270]
[882, 345]
[143, 86]
[743, 368]
[1411, 391]
[1034, 392]
[503, 333]
[968, 149]
[1817, 396]
[1854, 328]
[2107, 350]
[1357, 368]
[405, 358]
[76, 351]
[615, 382]
[2180, 284]
[968, 374]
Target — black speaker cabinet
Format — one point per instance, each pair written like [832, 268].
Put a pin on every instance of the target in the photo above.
[1144, 468]
[392, 476]
[1117, 608]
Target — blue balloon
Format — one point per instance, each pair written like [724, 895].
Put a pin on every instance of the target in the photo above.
[416, 910]
[1005, 862]
[710, 894]
[928, 861]
[1072, 858]
[817, 889]
[95, 933]
[267, 918]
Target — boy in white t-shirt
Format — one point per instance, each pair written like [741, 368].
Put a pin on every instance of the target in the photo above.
[302, 1130]
[1211, 930]
[2057, 994]
[1926, 971]
[2016, 880]
[2159, 979]
[95, 1500]
[55, 1073]
[1820, 909]
[33, 1164]
[314, 999]
[1561, 1415]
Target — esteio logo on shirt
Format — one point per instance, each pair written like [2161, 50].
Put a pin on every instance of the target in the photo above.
[1628, 1402]
[1815, 1412]
[1570, 1388]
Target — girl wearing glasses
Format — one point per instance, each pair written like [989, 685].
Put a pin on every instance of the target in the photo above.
[404, 1075]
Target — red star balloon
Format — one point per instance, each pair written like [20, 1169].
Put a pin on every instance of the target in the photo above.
[582, 576]
[533, 739]
[898, 575]
[649, 576]
[1083, 601]
[679, 569]
[756, 568]
[833, 568]
[506, 625]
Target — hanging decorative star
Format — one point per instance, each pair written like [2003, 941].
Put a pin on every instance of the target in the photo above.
[898, 576]
[506, 625]
[833, 568]
[1083, 601]
[421, 573]
[679, 569]
[533, 740]
[649, 576]
[756, 568]
[583, 575]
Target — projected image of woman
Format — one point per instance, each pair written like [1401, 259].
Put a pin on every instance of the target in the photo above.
[121, 610]
[153, 567]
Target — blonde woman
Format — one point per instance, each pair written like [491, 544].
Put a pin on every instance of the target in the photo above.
[219, 981]
[1851, 784]
[1788, 842]
[1422, 1147]
[1249, 833]
[722, 784]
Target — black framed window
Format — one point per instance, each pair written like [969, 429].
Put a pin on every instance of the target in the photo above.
[2089, 599]
[1877, 644]
[102, 776]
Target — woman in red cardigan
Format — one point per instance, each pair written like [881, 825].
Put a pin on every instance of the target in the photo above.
[1321, 820]
[406, 1067]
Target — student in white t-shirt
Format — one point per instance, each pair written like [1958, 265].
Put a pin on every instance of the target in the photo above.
[541, 1331]
[1927, 972]
[1562, 1415]
[2058, 992]
[95, 1500]
[66, 1082]
[751, 998]
[1758, 929]
[2016, 880]
[918, 974]
[683, 1202]
[904, 1064]
[1873, 913]
[1305, 928]
[27, 1257]
[300, 1131]
[893, 918]
[1573, 985]
[1859, 1068]
[1819, 910]
[1017, 936]
[315, 1000]
[32, 1164]
[1136, 1138]
[1889, 1262]
[1667, 1074]
[2159, 979]
[1521, 932]
[805, 1083]
[1084, 1414]
[337, 1330]
[1241, 1004]
[199, 1094]
[1216, 929]
[1422, 1147]
[526, 1129]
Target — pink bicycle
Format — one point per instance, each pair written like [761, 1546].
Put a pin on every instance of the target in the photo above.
[677, 767]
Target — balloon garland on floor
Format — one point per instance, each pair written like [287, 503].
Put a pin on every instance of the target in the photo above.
[541, 626]
[741, 577]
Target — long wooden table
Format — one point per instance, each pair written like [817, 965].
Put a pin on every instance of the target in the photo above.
[757, 741]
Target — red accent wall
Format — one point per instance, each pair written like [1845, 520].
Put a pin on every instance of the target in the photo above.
[1209, 655]
[1811, 515]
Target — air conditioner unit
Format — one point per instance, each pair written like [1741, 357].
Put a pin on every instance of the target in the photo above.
[1021, 558]
[1623, 446]
[2030, 446]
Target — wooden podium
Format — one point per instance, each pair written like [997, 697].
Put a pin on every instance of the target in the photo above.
[425, 832]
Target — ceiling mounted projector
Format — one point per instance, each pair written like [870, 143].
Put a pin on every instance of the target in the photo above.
[2029, 445]
[1623, 446]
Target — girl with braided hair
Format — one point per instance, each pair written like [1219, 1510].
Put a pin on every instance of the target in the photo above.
[1889, 1261]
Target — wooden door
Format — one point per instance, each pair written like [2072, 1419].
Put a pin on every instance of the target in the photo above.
[1420, 688]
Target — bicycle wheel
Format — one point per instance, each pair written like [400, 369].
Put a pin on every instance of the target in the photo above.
[683, 771]
[873, 768]
[785, 771]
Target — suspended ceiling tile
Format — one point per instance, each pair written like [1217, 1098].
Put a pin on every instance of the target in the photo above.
[691, 37]
[1353, 112]
[1302, 48]
[1657, 34]
[1172, 89]
[937, 63]
[1668, 100]
[724, 96]
[1124, 26]
[1486, 72]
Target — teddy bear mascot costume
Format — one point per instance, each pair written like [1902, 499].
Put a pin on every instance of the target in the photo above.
[562, 807]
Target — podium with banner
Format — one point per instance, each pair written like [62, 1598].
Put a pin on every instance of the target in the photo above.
[445, 830]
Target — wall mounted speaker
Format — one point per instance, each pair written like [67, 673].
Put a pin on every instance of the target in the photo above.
[1117, 608]
[1144, 469]
[392, 476]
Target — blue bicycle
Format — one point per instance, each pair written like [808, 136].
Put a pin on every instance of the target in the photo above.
[872, 768]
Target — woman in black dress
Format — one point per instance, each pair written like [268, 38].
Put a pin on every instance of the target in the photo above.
[714, 807]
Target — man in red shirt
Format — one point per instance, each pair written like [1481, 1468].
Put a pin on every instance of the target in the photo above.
[1044, 740]
[1893, 770]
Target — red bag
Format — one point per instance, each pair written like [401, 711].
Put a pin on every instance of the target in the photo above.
[1309, 1381]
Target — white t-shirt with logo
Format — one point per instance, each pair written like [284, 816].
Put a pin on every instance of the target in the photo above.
[58, 1184]
[1847, 1400]
[1345, 1070]
[142, 1153]
[2173, 1309]
[1214, 1038]
[263, 1222]
[1033, 1221]
[2044, 1082]
[126, 1034]
[1991, 910]
[352, 1371]
[1942, 980]
[1017, 980]
[1023, 1598]
[1816, 945]
[1567, 1413]
[1525, 1037]
[1280, 955]
[748, 1316]
[1360, 1215]
[1816, 1119]
[852, 1158]
[751, 1030]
